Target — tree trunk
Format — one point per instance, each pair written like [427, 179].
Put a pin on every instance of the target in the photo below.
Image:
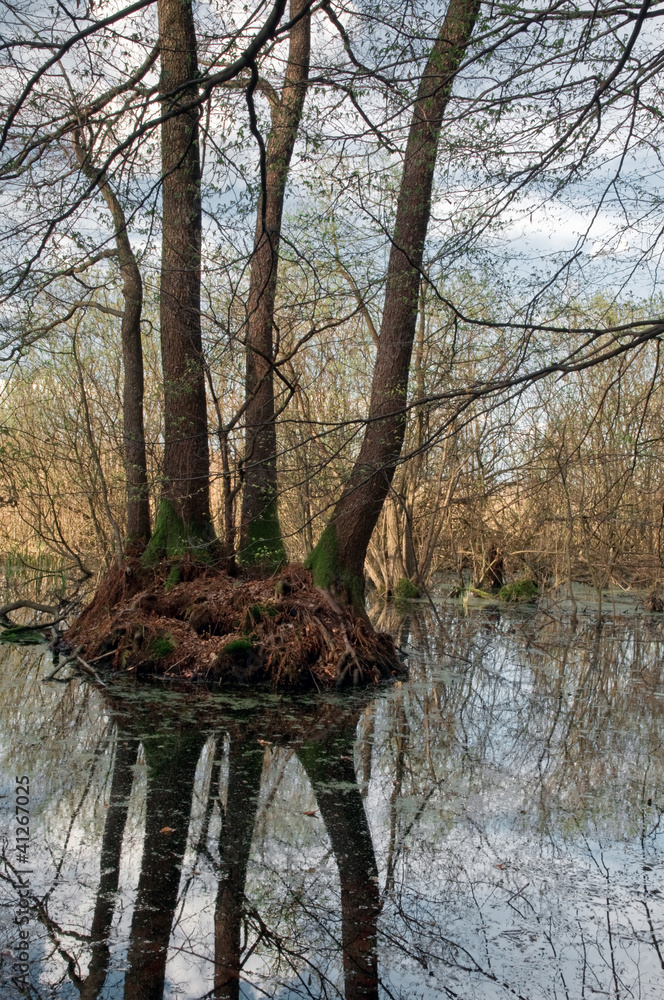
[337, 561]
[183, 523]
[138, 502]
[260, 533]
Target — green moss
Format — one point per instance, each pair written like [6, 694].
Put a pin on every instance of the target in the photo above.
[406, 590]
[171, 538]
[476, 592]
[255, 613]
[18, 635]
[263, 544]
[323, 560]
[328, 574]
[173, 577]
[519, 591]
[161, 647]
[237, 647]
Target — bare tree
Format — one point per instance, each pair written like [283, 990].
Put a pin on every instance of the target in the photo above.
[338, 559]
[260, 538]
[138, 500]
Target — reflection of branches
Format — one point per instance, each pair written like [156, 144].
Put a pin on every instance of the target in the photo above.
[283, 758]
[53, 929]
[401, 736]
[96, 755]
[524, 718]
[90, 986]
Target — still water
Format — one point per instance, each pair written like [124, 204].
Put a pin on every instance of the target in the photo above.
[492, 828]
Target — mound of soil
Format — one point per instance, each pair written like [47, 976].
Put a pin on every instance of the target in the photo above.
[280, 631]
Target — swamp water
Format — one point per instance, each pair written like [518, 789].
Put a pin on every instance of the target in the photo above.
[491, 828]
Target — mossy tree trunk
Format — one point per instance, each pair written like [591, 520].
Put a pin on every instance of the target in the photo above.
[260, 533]
[138, 501]
[183, 522]
[337, 562]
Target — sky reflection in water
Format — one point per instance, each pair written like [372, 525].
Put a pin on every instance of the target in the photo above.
[490, 829]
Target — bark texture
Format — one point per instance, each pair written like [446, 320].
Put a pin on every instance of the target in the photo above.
[138, 502]
[186, 487]
[338, 560]
[260, 537]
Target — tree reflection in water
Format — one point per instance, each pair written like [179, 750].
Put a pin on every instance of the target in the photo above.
[329, 766]
[245, 765]
[172, 750]
[504, 838]
[171, 760]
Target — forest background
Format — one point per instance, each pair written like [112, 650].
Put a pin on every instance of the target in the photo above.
[533, 415]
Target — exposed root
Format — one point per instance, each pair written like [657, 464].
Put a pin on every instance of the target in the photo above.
[282, 631]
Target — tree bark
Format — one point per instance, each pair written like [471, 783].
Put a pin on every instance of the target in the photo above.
[184, 522]
[138, 501]
[337, 562]
[260, 533]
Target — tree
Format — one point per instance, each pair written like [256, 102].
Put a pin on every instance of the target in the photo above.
[138, 499]
[260, 538]
[371, 70]
[337, 562]
[183, 523]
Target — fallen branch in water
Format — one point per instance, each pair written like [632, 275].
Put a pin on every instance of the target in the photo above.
[63, 663]
[47, 609]
[90, 670]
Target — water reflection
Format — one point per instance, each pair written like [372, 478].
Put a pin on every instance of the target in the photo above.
[490, 829]
[171, 759]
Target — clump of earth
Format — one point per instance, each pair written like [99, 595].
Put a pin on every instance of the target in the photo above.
[211, 626]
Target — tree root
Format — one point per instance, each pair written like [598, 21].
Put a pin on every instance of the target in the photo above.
[280, 631]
